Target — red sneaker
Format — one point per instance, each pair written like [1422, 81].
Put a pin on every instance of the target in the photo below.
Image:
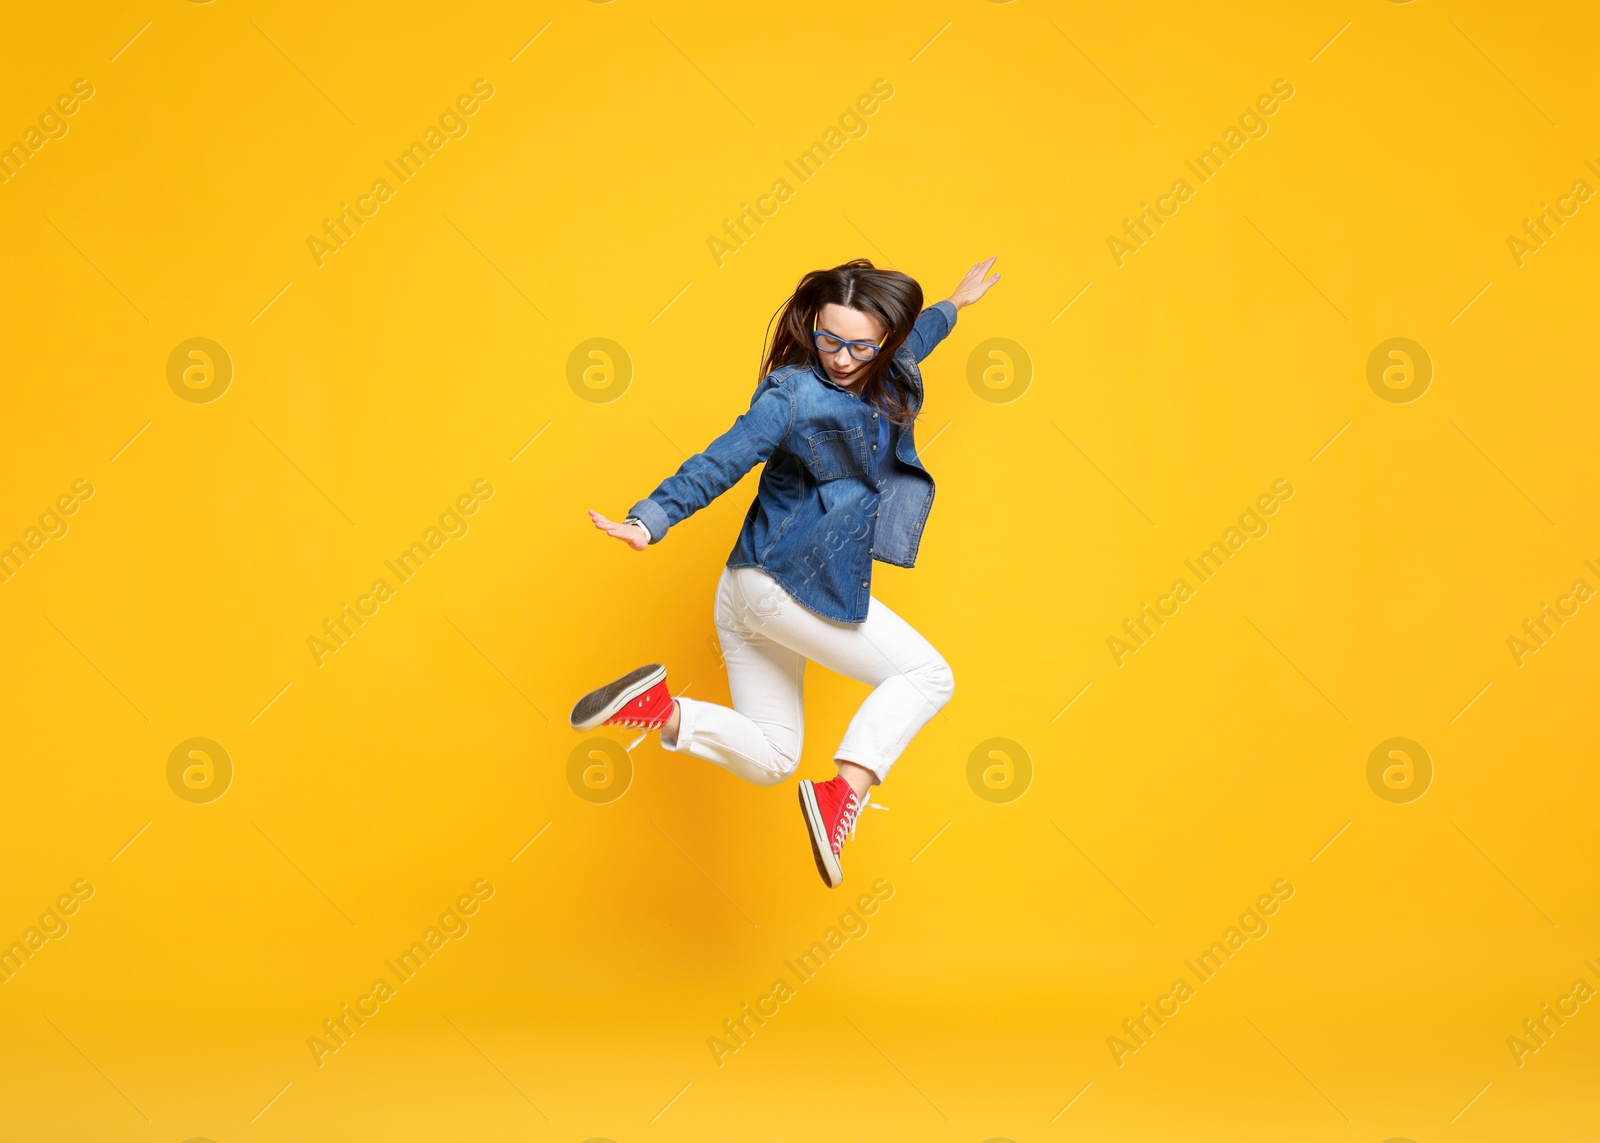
[639, 699]
[830, 810]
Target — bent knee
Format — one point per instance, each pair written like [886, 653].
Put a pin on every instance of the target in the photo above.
[780, 764]
[939, 682]
[773, 777]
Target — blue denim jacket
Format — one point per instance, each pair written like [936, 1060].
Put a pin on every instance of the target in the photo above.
[827, 505]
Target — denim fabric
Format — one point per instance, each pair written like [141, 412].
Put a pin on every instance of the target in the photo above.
[828, 503]
[882, 451]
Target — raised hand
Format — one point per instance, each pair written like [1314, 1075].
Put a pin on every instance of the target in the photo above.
[630, 534]
[973, 286]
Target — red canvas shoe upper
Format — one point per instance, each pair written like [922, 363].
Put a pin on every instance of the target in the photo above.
[650, 711]
[840, 807]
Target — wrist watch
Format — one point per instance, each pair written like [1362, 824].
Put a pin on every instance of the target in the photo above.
[642, 527]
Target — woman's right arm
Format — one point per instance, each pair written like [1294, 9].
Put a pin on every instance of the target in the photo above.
[754, 436]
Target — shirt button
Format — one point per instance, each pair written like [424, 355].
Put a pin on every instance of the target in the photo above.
[869, 551]
[863, 583]
[874, 448]
[874, 416]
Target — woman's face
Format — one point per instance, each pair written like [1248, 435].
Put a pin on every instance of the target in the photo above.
[851, 325]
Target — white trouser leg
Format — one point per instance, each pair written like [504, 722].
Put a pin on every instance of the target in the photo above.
[759, 739]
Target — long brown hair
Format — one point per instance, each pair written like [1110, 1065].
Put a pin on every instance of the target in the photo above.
[895, 299]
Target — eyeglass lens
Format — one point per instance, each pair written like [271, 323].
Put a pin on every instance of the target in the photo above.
[828, 343]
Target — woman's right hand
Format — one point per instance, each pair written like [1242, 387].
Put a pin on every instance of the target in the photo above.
[630, 534]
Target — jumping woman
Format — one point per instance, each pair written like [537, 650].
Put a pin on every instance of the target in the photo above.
[832, 418]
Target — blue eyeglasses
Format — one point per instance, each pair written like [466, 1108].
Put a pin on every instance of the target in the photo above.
[828, 343]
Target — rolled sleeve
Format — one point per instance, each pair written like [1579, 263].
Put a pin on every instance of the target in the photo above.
[649, 513]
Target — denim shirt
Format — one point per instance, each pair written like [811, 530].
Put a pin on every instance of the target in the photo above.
[829, 503]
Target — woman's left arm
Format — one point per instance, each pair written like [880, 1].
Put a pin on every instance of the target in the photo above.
[755, 435]
[935, 323]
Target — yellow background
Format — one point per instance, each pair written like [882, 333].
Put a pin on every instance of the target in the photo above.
[369, 392]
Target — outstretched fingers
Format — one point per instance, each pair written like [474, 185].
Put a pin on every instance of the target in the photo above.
[627, 533]
[974, 285]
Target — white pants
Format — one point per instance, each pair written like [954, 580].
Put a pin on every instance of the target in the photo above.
[767, 637]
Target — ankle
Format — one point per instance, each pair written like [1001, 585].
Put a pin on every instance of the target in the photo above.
[858, 777]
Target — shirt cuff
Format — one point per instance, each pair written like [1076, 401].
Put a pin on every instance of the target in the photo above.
[653, 517]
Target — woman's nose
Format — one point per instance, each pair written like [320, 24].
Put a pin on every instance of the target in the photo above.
[841, 359]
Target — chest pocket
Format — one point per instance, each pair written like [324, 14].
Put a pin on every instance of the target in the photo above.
[838, 452]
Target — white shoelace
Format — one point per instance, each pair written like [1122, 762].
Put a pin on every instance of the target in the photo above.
[641, 724]
[851, 817]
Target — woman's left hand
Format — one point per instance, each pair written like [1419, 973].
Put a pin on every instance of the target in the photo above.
[973, 286]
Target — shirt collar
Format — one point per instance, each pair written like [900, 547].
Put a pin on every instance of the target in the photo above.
[822, 375]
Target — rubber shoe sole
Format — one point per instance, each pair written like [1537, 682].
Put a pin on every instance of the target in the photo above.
[598, 705]
[821, 845]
